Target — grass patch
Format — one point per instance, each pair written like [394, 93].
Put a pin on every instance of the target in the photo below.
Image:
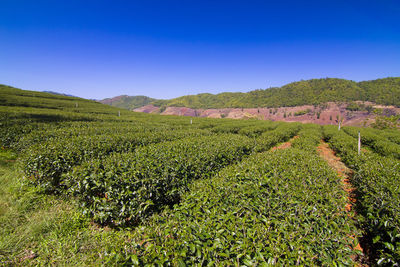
[7, 156]
[39, 229]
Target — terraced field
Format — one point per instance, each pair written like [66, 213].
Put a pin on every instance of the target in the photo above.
[84, 184]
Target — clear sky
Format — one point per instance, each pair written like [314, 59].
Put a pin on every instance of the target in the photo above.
[165, 49]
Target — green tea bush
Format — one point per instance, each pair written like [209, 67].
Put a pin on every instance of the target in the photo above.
[281, 134]
[392, 135]
[44, 163]
[309, 138]
[283, 208]
[125, 188]
[376, 141]
[71, 130]
[257, 130]
[378, 185]
[377, 180]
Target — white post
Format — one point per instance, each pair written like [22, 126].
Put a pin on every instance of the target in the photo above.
[191, 121]
[119, 113]
[76, 105]
[339, 126]
[359, 143]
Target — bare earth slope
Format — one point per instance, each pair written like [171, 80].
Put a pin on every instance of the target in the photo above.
[321, 114]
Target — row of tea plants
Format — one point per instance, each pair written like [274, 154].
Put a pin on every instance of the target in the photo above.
[377, 180]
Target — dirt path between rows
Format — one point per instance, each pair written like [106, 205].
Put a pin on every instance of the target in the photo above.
[285, 145]
[345, 173]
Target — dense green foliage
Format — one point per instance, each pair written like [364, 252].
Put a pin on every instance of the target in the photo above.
[377, 180]
[128, 102]
[283, 207]
[374, 139]
[382, 91]
[280, 134]
[383, 122]
[46, 162]
[256, 130]
[309, 137]
[124, 188]
[392, 135]
[310, 92]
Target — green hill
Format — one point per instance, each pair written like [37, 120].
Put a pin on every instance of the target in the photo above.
[382, 91]
[128, 102]
[48, 106]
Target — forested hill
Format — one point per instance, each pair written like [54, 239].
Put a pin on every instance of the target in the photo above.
[382, 91]
[128, 102]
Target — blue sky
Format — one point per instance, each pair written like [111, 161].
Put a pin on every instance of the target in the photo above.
[165, 49]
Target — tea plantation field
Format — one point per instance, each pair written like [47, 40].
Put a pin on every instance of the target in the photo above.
[83, 183]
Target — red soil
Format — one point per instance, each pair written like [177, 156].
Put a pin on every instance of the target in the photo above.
[345, 173]
[284, 145]
[326, 114]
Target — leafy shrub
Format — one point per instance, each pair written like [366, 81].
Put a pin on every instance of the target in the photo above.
[309, 138]
[279, 208]
[124, 188]
[376, 141]
[302, 112]
[377, 180]
[353, 106]
[281, 134]
[45, 163]
[257, 130]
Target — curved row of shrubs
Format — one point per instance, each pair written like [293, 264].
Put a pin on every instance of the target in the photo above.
[285, 207]
[377, 180]
[44, 163]
[124, 188]
[309, 138]
[377, 142]
[280, 134]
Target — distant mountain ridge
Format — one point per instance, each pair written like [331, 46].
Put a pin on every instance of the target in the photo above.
[128, 102]
[384, 91]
